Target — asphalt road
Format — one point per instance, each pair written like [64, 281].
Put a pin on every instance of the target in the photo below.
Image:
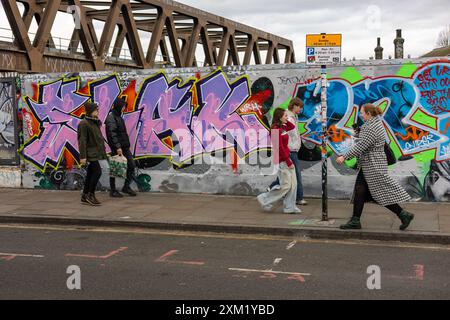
[144, 264]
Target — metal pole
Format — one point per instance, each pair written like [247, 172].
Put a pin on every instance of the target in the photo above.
[324, 84]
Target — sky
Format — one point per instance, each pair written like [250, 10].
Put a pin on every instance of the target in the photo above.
[359, 22]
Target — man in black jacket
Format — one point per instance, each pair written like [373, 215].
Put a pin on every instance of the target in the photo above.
[119, 142]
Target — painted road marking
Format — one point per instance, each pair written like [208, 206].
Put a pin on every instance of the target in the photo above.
[276, 262]
[11, 256]
[270, 274]
[297, 277]
[419, 273]
[107, 256]
[269, 271]
[291, 245]
[7, 258]
[165, 256]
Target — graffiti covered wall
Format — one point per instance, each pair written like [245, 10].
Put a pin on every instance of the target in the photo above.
[10, 175]
[8, 137]
[196, 130]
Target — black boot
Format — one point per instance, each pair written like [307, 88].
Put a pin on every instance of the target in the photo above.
[114, 193]
[354, 223]
[126, 189]
[406, 218]
[92, 200]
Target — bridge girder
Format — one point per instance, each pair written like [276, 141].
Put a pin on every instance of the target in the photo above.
[168, 24]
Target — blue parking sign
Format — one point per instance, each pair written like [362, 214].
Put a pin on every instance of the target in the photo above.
[310, 51]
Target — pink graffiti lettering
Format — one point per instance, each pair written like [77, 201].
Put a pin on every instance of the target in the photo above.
[163, 122]
[50, 145]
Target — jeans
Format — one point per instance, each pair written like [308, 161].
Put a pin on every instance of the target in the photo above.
[94, 172]
[130, 169]
[288, 189]
[298, 173]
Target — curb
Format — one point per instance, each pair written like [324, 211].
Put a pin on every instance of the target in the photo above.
[301, 232]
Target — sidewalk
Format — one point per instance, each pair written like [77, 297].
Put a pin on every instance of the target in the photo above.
[200, 212]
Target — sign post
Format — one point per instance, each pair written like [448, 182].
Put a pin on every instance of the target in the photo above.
[324, 49]
[324, 108]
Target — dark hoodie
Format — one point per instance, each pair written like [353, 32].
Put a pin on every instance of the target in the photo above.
[116, 131]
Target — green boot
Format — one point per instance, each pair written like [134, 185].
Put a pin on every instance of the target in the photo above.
[354, 223]
[406, 218]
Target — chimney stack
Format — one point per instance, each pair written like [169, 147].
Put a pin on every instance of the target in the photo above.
[378, 50]
[398, 42]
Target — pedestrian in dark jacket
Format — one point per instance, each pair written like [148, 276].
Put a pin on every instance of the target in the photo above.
[373, 182]
[119, 142]
[92, 149]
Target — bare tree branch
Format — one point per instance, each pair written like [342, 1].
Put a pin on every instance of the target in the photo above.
[444, 38]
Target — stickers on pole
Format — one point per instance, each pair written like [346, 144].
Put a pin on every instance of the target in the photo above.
[323, 49]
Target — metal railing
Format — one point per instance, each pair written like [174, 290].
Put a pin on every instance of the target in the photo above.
[63, 45]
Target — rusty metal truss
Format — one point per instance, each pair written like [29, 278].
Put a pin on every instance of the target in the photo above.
[173, 34]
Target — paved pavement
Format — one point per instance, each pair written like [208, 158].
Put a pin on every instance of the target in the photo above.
[150, 264]
[201, 212]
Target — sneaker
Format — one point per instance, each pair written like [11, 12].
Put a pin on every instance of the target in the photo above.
[115, 194]
[302, 202]
[264, 207]
[90, 198]
[95, 199]
[83, 199]
[296, 210]
[129, 191]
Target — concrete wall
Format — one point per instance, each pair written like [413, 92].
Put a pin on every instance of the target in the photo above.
[175, 102]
